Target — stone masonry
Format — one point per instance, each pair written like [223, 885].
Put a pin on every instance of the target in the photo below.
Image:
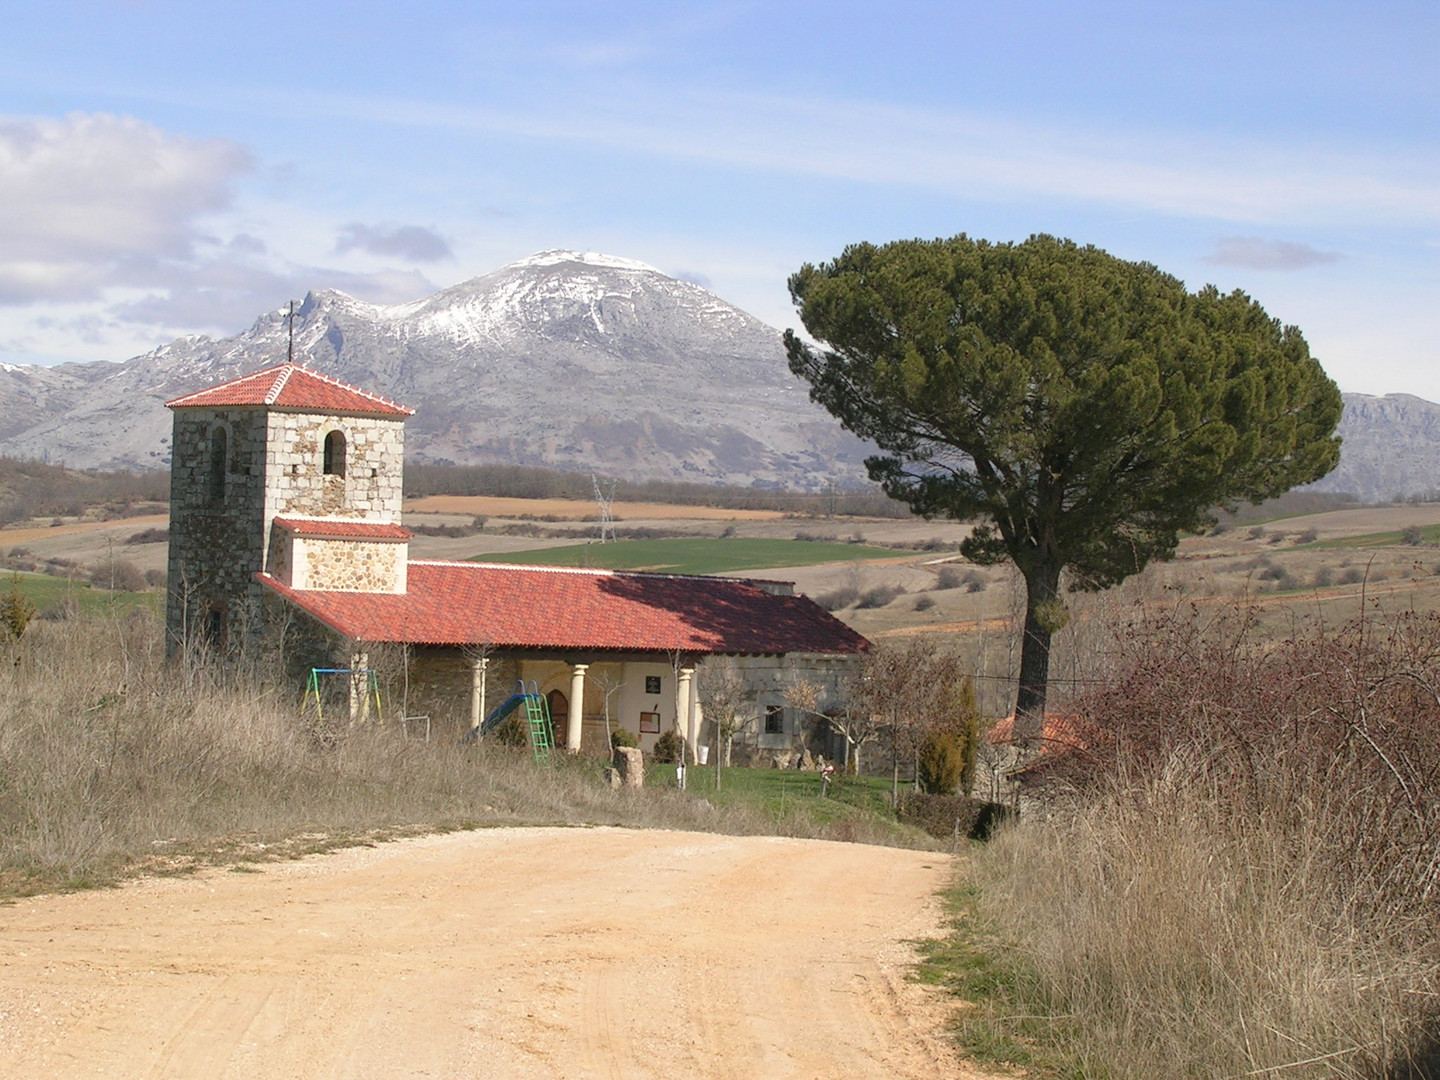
[234, 470]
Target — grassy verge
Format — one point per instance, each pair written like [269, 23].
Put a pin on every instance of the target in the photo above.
[1004, 1018]
[698, 555]
[1238, 878]
[851, 808]
[113, 763]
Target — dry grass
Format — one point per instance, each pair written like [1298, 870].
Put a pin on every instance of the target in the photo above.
[1243, 878]
[112, 763]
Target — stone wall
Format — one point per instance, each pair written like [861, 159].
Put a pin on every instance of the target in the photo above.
[221, 512]
[297, 484]
[217, 531]
[766, 680]
[344, 565]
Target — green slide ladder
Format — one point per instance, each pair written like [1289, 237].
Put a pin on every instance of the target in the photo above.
[537, 718]
[537, 712]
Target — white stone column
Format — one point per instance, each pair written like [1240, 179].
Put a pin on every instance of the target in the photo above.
[684, 698]
[577, 707]
[478, 668]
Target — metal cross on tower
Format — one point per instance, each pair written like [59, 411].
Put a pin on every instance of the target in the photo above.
[290, 351]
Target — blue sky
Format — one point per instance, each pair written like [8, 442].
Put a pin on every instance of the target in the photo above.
[171, 168]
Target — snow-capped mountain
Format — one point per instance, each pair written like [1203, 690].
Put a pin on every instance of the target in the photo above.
[567, 359]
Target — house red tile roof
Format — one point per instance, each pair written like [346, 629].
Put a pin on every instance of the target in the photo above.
[331, 529]
[290, 386]
[544, 607]
[1061, 732]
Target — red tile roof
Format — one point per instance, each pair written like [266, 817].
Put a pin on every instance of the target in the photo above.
[331, 529]
[543, 607]
[290, 386]
[1061, 732]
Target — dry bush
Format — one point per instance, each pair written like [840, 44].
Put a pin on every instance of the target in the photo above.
[839, 598]
[110, 759]
[118, 575]
[878, 596]
[955, 577]
[1242, 875]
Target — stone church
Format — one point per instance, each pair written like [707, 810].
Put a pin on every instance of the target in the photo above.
[286, 510]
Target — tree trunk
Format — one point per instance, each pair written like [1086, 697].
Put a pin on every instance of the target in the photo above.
[894, 765]
[1042, 586]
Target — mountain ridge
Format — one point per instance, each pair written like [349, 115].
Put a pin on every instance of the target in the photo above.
[564, 359]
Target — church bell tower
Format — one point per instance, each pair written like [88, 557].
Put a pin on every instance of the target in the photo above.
[285, 471]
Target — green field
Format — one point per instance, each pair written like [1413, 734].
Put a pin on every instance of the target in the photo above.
[698, 555]
[51, 592]
[1429, 534]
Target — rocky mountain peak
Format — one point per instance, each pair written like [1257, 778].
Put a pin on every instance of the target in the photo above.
[563, 358]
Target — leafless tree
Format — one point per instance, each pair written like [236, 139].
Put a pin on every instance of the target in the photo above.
[856, 726]
[726, 703]
[903, 690]
[609, 686]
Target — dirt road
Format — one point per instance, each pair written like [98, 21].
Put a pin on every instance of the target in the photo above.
[505, 953]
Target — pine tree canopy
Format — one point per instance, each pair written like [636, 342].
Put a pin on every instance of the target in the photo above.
[1084, 408]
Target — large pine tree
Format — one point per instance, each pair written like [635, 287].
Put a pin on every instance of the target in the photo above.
[1085, 410]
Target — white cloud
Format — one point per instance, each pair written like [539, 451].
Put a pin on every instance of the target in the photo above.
[89, 202]
[1255, 253]
[227, 295]
[413, 243]
[975, 155]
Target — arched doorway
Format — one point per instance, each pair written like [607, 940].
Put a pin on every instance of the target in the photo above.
[559, 716]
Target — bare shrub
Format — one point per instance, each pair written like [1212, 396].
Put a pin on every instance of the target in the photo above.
[877, 596]
[1243, 875]
[950, 577]
[959, 577]
[924, 603]
[1413, 535]
[118, 575]
[839, 598]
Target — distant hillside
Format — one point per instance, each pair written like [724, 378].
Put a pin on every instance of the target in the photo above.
[32, 489]
[1391, 447]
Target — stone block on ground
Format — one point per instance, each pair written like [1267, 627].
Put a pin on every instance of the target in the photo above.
[630, 765]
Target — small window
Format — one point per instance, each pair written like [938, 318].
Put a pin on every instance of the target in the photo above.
[215, 487]
[335, 454]
[774, 720]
